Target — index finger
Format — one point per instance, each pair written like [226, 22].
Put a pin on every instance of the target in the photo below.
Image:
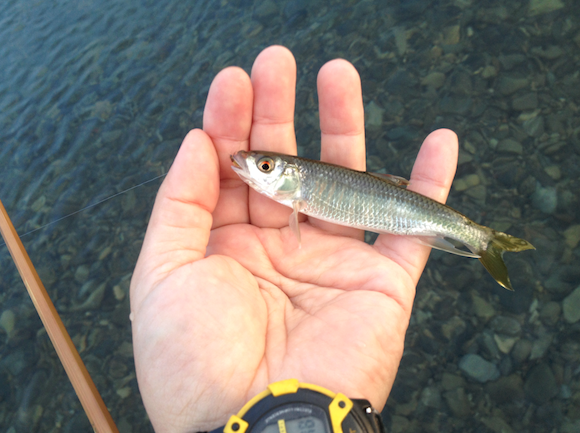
[227, 119]
[274, 81]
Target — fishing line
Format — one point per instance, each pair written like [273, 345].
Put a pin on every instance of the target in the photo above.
[91, 205]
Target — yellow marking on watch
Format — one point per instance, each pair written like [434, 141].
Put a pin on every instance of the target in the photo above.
[236, 425]
[339, 409]
[288, 386]
[281, 426]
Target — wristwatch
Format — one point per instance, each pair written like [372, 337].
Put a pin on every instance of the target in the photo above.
[290, 406]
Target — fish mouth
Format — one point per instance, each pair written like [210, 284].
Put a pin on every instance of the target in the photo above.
[235, 163]
[239, 164]
[239, 159]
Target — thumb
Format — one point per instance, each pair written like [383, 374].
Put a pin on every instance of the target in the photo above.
[180, 224]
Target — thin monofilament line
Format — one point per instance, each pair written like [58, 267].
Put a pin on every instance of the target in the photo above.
[92, 205]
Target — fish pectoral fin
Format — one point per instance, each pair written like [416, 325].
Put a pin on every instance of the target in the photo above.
[395, 180]
[442, 244]
[293, 221]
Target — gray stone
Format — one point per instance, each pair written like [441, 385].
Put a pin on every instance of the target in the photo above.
[400, 82]
[294, 8]
[488, 345]
[374, 115]
[508, 85]
[565, 392]
[550, 53]
[456, 104]
[539, 7]
[497, 424]
[528, 101]
[477, 368]
[504, 343]
[541, 385]
[556, 285]
[488, 71]
[506, 326]
[464, 157]
[82, 273]
[545, 199]
[399, 424]
[458, 402]
[16, 362]
[572, 236]
[93, 302]
[451, 381]
[570, 426]
[431, 397]
[400, 133]
[434, 79]
[521, 350]
[483, 309]
[510, 146]
[453, 327]
[540, 346]
[511, 60]
[506, 389]
[460, 83]
[534, 127]
[550, 313]
[478, 192]
[265, 10]
[553, 171]
[7, 321]
[568, 202]
[571, 306]
[555, 123]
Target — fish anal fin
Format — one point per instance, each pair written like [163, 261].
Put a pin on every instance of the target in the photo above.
[442, 244]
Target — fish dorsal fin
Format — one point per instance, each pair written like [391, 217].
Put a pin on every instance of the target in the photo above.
[395, 180]
[440, 243]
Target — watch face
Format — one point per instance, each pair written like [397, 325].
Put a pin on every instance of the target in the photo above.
[293, 418]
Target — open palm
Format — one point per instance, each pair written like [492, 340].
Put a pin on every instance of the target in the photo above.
[223, 300]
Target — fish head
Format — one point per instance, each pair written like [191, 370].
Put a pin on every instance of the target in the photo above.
[269, 173]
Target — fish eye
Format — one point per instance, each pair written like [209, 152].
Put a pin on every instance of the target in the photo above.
[266, 164]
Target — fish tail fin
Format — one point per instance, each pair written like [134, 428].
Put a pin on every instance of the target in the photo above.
[492, 257]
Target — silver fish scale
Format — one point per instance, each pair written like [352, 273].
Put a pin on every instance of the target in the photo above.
[361, 200]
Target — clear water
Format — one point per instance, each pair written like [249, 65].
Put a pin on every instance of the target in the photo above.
[95, 97]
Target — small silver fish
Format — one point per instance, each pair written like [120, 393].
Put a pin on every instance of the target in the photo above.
[377, 203]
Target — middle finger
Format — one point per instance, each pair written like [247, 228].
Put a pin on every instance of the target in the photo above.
[274, 83]
[341, 125]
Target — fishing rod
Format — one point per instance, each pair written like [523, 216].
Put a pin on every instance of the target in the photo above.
[87, 392]
[85, 388]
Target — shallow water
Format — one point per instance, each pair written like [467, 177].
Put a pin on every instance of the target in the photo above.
[95, 97]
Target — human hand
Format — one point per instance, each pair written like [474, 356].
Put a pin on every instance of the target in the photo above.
[224, 302]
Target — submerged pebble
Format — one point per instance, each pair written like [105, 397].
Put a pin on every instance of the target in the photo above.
[7, 322]
[545, 199]
[477, 368]
[510, 145]
[571, 306]
[458, 402]
[572, 236]
[540, 385]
